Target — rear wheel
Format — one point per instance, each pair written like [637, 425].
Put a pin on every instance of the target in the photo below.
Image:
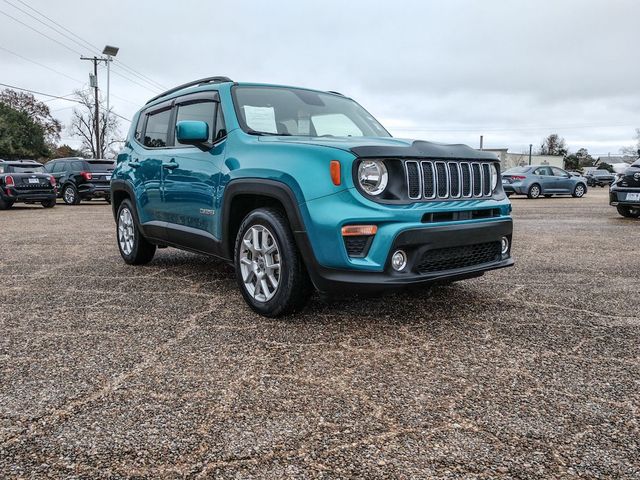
[579, 191]
[49, 203]
[269, 269]
[534, 191]
[628, 212]
[70, 195]
[134, 248]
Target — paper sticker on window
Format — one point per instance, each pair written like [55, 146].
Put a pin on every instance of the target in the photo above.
[260, 119]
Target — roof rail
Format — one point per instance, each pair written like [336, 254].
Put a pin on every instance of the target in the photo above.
[202, 81]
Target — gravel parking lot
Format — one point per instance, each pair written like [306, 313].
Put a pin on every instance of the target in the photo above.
[161, 371]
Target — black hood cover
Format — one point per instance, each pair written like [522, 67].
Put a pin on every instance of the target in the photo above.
[422, 149]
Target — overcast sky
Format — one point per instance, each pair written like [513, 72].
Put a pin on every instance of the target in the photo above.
[439, 70]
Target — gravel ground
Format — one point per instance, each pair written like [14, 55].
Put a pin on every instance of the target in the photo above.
[161, 371]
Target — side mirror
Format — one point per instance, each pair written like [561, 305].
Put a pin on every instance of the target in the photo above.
[192, 132]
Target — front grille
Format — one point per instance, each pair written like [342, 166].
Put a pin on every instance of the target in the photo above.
[451, 258]
[443, 179]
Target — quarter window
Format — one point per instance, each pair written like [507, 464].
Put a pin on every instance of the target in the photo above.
[155, 134]
[221, 128]
[201, 111]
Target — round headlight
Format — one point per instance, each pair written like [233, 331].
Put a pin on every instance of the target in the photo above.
[373, 176]
[494, 177]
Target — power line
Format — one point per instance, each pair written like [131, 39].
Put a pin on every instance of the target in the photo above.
[58, 97]
[84, 43]
[40, 64]
[150, 87]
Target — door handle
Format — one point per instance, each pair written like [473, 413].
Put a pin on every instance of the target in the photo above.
[170, 165]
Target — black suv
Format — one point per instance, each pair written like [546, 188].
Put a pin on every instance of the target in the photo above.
[26, 181]
[599, 178]
[625, 192]
[81, 179]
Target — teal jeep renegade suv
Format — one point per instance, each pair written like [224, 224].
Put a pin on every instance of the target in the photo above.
[301, 188]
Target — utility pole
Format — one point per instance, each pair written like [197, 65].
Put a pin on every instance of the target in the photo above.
[96, 113]
[530, 148]
[481, 142]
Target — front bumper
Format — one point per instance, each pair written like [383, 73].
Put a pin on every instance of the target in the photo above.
[418, 244]
[619, 196]
[420, 241]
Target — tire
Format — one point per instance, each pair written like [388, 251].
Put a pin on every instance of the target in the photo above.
[5, 204]
[134, 248]
[49, 203]
[281, 291]
[579, 191]
[108, 200]
[70, 195]
[534, 191]
[628, 212]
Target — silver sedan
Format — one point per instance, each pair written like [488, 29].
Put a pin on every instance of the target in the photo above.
[536, 180]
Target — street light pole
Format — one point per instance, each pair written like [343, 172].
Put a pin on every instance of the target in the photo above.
[110, 52]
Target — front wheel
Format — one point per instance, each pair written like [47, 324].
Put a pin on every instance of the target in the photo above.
[534, 191]
[628, 212]
[269, 270]
[579, 191]
[49, 203]
[134, 248]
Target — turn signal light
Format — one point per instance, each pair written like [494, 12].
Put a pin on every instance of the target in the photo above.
[334, 168]
[358, 230]
[86, 175]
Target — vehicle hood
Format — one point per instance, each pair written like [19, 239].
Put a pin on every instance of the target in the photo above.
[388, 147]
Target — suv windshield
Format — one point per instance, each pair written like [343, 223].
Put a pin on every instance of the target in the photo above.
[293, 111]
[101, 166]
[29, 168]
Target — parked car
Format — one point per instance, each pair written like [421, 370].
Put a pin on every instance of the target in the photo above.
[300, 188]
[25, 181]
[536, 180]
[600, 178]
[624, 193]
[82, 179]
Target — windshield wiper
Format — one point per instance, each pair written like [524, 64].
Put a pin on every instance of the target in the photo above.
[271, 134]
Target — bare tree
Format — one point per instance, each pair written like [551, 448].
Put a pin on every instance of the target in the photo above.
[554, 144]
[83, 125]
[632, 150]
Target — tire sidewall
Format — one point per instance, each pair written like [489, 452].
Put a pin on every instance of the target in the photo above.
[584, 190]
[136, 236]
[532, 189]
[273, 224]
[75, 195]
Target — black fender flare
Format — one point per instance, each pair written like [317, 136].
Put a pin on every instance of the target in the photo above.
[268, 188]
[119, 185]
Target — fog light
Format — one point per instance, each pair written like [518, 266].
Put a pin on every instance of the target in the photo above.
[399, 260]
[505, 245]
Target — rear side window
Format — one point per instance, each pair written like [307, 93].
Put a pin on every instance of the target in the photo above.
[95, 167]
[77, 166]
[155, 135]
[201, 111]
[543, 171]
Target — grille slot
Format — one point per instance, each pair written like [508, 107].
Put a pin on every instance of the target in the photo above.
[442, 180]
[445, 179]
[486, 179]
[451, 258]
[413, 179]
[454, 179]
[476, 180]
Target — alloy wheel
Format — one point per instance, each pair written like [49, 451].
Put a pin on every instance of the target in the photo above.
[579, 191]
[260, 263]
[126, 231]
[69, 195]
